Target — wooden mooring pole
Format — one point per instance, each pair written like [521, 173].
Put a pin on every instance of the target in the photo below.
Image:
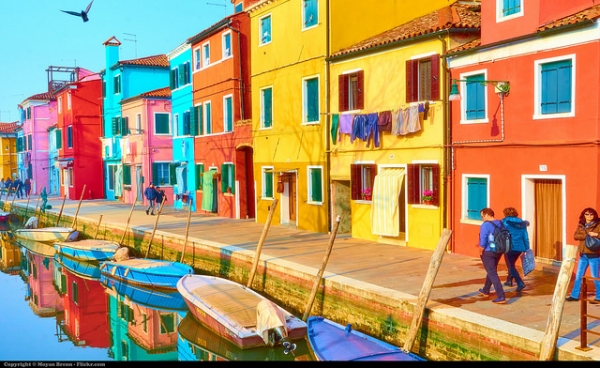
[36, 208]
[78, 207]
[128, 219]
[26, 210]
[187, 230]
[263, 236]
[558, 303]
[434, 266]
[61, 209]
[319, 277]
[98, 227]
[155, 225]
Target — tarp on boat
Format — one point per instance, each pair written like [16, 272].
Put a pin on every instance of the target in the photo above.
[268, 317]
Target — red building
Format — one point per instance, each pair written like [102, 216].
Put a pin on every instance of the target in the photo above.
[222, 118]
[79, 128]
[525, 130]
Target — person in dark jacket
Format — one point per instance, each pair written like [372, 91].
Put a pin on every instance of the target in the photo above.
[489, 258]
[18, 187]
[588, 225]
[27, 186]
[519, 244]
[150, 193]
[160, 196]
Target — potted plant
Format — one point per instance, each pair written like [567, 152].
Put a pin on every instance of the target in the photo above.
[366, 193]
[427, 197]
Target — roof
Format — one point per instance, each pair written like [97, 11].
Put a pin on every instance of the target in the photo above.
[8, 127]
[210, 30]
[591, 13]
[164, 92]
[160, 60]
[41, 96]
[457, 15]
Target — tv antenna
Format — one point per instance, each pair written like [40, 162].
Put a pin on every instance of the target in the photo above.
[223, 5]
[134, 41]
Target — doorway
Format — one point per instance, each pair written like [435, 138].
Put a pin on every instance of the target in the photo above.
[286, 185]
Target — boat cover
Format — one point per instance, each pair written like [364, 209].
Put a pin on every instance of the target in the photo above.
[269, 316]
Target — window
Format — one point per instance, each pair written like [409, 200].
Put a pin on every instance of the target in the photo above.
[144, 322]
[267, 182]
[69, 172]
[554, 85]
[161, 123]
[476, 196]
[174, 80]
[75, 292]
[163, 173]
[310, 13]
[120, 125]
[264, 30]
[475, 97]
[117, 84]
[126, 174]
[199, 172]
[351, 92]
[186, 123]
[205, 55]
[226, 45]
[112, 169]
[207, 118]
[315, 184]
[362, 178]
[227, 178]
[228, 113]
[266, 107]
[68, 100]
[138, 123]
[238, 7]
[310, 96]
[422, 178]
[184, 74]
[508, 9]
[167, 323]
[70, 136]
[197, 121]
[59, 104]
[197, 59]
[28, 112]
[423, 79]
[58, 139]
[30, 142]
[176, 128]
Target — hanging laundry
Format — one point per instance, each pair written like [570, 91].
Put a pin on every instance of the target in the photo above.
[358, 128]
[345, 125]
[372, 129]
[335, 121]
[414, 124]
[385, 121]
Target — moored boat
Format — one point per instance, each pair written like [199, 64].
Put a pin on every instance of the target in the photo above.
[46, 234]
[146, 272]
[4, 216]
[330, 341]
[88, 270]
[88, 249]
[164, 300]
[37, 247]
[238, 313]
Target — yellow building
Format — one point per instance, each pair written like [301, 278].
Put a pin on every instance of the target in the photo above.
[389, 128]
[8, 149]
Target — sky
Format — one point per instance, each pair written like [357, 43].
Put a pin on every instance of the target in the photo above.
[36, 34]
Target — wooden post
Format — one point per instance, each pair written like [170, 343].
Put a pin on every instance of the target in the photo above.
[78, 206]
[26, 210]
[36, 208]
[187, 230]
[319, 277]
[434, 266]
[12, 202]
[98, 227]
[128, 219]
[61, 209]
[155, 225]
[558, 303]
[261, 241]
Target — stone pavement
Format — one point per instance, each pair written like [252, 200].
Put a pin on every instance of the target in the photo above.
[388, 266]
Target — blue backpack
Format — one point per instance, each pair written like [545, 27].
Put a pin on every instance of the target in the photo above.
[502, 239]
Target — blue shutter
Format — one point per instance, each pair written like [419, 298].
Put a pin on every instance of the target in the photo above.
[312, 100]
[556, 87]
[476, 197]
[475, 98]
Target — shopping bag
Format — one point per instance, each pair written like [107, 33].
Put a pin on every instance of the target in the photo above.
[527, 261]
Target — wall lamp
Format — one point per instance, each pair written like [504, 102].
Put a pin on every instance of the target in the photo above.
[502, 87]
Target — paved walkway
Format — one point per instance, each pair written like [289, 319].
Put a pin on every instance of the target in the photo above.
[388, 266]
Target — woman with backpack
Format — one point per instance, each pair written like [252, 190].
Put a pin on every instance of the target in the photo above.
[588, 225]
[519, 244]
[489, 256]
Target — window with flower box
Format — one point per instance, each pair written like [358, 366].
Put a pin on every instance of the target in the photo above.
[423, 182]
[362, 178]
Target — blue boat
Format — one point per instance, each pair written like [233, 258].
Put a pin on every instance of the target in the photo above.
[151, 273]
[164, 300]
[84, 269]
[88, 249]
[331, 341]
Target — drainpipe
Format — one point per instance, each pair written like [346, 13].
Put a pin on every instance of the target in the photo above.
[240, 79]
[328, 117]
[448, 173]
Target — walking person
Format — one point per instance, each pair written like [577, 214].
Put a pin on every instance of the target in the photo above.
[520, 243]
[160, 197]
[18, 185]
[27, 186]
[588, 225]
[489, 257]
[150, 193]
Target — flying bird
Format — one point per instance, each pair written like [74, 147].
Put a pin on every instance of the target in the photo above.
[83, 13]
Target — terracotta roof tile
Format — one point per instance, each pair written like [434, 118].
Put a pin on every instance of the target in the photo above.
[42, 96]
[8, 127]
[591, 13]
[466, 46]
[161, 93]
[457, 15]
[156, 60]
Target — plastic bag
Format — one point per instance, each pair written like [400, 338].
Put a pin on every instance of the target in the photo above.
[527, 261]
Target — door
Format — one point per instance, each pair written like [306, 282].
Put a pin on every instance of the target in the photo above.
[139, 184]
[288, 198]
[547, 232]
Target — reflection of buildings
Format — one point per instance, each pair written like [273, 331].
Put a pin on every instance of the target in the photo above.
[10, 256]
[45, 300]
[85, 321]
[139, 330]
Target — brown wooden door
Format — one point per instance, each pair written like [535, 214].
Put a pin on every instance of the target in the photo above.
[547, 239]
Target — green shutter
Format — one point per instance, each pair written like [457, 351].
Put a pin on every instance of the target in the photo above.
[172, 174]
[124, 126]
[126, 174]
[58, 139]
[268, 184]
[315, 185]
[199, 172]
[199, 121]
[154, 173]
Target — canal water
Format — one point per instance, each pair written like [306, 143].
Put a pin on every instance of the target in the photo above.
[57, 309]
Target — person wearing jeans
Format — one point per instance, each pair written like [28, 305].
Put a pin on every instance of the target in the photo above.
[588, 225]
[489, 257]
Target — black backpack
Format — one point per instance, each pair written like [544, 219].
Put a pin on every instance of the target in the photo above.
[502, 239]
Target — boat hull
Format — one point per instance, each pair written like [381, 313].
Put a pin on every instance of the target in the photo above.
[36, 247]
[46, 234]
[216, 317]
[88, 270]
[331, 341]
[88, 249]
[150, 273]
[163, 300]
